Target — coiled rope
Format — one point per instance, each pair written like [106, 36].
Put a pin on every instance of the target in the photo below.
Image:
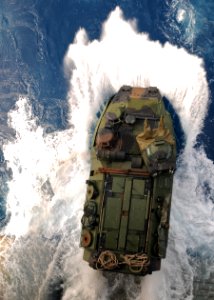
[137, 262]
[107, 260]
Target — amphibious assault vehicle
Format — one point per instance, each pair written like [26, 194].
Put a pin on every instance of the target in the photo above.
[126, 213]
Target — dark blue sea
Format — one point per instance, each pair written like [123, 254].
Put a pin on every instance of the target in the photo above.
[60, 60]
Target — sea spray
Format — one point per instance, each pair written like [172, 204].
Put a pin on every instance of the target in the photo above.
[125, 56]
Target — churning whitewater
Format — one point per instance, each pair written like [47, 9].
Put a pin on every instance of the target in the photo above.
[47, 190]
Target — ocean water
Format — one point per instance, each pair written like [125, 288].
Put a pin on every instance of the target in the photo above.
[59, 63]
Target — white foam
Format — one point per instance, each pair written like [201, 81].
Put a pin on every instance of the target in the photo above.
[181, 14]
[125, 56]
[35, 159]
[97, 69]
[180, 23]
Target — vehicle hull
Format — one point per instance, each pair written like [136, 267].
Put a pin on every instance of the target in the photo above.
[127, 209]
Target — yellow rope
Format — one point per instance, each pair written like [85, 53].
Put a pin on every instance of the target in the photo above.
[107, 260]
[136, 262]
